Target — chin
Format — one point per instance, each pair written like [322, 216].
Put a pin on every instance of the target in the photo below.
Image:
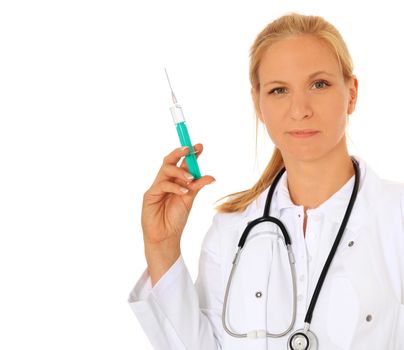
[305, 155]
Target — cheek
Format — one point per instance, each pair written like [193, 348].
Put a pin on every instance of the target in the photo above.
[273, 121]
[272, 112]
[339, 99]
[334, 112]
[275, 127]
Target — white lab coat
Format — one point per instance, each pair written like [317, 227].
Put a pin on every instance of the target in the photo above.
[361, 304]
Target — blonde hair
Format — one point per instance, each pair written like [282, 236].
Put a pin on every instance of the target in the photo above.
[288, 25]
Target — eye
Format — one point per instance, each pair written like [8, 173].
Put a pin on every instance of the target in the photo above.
[320, 84]
[277, 91]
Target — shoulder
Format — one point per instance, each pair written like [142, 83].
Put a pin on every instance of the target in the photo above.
[393, 195]
[227, 221]
[226, 228]
[382, 197]
[394, 188]
[374, 187]
[383, 190]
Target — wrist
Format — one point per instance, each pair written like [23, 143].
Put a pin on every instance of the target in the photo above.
[160, 257]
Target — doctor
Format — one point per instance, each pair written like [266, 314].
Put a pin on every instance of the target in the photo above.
[346, 225]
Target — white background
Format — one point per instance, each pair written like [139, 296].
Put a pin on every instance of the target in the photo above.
[85, 125]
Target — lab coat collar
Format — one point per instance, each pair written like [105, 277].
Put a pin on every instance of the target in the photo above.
[338, 199]
[333, 208]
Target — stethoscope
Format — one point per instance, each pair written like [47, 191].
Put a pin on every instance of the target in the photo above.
[301, 339]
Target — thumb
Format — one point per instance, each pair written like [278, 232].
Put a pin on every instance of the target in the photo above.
[196, 185]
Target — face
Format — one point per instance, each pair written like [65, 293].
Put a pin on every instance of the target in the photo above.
[303, 88]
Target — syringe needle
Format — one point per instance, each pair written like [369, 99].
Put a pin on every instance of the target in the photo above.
[172, 92]
[182, 131]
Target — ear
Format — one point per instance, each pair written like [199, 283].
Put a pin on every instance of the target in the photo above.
[353, 94]
[255, 94]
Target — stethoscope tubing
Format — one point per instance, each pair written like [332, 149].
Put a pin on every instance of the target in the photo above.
[263, 333]
[265, 218]
[330, 257]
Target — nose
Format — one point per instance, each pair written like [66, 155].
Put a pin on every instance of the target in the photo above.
[300, 107]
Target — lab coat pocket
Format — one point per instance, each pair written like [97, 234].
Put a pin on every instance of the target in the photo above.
[343, 312]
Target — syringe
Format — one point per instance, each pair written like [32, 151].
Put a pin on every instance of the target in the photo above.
[179, 121]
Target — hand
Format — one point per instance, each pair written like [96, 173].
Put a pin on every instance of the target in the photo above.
[168, 202]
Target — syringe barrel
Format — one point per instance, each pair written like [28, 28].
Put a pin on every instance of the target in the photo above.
[185, 140]
[177, 114]
[190, 158]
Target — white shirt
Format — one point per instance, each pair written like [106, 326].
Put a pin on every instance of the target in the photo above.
[361, 303]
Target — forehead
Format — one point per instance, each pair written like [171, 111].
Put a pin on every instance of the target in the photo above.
[297, 56]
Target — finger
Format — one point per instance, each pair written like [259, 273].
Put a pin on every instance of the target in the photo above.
[175, 156]
[168, 187]
[171, 171]
[182, 183]
[198, 148]
[196, 185]
[171, 160]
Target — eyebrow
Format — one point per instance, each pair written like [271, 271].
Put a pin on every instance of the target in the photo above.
[311, 76]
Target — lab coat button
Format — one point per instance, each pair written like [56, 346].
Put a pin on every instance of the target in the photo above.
[369, 318]
[351, 243]
[258, 294]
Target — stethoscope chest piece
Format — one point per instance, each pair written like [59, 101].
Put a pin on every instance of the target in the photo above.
[303, 340]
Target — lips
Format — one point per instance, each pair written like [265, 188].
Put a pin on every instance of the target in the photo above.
[303, 131]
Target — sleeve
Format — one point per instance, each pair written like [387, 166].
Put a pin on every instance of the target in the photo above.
[400, 247]
[178, 314]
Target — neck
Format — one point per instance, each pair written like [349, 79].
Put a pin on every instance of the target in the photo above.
[311, 183]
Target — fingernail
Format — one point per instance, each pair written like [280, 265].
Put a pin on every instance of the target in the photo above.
[184, 190]
[188, 176]
[184, 148]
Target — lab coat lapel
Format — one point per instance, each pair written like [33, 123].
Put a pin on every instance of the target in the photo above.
[366, 268]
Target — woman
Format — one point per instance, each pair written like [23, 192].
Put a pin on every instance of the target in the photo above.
[344, 285]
